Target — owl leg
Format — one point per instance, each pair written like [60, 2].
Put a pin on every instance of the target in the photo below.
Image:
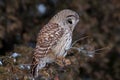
[61, 61]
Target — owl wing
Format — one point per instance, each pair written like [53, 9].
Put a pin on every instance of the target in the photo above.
[48, 36]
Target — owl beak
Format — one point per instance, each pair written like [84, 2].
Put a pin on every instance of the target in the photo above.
[78, 19]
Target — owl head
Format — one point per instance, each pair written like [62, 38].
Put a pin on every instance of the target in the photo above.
[66, 19]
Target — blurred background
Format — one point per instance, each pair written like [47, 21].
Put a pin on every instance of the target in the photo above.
[21, 20]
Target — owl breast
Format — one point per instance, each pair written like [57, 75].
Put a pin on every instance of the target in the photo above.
[63, 45]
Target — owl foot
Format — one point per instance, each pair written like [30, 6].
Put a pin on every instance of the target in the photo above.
[45, 74]
[63, 62]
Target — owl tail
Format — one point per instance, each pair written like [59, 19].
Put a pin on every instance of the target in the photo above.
[37, 65]
[34, 68]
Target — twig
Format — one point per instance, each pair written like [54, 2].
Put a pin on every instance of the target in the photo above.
[79, 40]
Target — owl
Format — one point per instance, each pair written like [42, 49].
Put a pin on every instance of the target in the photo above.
[53, 40]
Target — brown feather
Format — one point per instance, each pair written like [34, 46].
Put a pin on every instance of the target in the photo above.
[48, 36]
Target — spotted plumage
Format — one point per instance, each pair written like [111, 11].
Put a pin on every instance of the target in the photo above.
[54, 39]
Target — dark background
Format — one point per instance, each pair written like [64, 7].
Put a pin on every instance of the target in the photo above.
[21, 20]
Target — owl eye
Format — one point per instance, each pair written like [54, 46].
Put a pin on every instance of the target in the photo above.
[69, 21]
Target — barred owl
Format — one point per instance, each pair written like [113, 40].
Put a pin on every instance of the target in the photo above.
[54, 39]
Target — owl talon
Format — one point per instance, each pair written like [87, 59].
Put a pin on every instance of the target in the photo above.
[63, 62]
[45, 74]
[66, 62]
